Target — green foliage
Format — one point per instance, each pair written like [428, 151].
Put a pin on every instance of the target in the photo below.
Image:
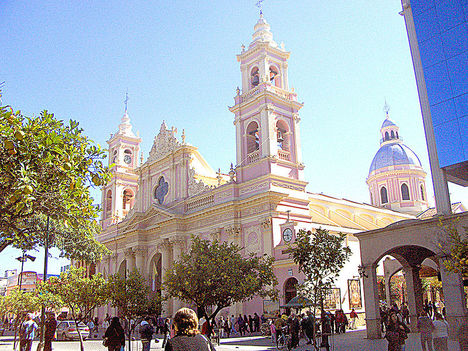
[19, 302]
[320, 256]
[455, 247]
[216, 274]
[46, 168]
[79, 293]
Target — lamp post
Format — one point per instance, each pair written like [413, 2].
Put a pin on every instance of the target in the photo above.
[23, 259]
[46, 256]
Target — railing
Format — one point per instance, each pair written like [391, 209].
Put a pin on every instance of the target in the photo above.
[253, 156]
[267, 86]
[250, 93]
[199, 202]
[284, 155]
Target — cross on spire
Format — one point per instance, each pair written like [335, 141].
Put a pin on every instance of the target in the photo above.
[126, 101]
[386, 108]
[259, 5]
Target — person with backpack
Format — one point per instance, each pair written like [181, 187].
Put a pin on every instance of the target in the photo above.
[146, 333]
[396, 334]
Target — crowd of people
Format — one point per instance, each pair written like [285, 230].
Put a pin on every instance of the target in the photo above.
[431, 325]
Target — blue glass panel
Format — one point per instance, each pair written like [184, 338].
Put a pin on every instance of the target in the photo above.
[448, 141]
[463, 124]
[431, 51]
[450, 14]
[458, 72]
[443, 112]
[426, 25]
[461, 106]
[437, 83]
[455, 40]
[418, 6]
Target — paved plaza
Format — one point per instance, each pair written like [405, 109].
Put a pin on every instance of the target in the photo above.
[354, 340]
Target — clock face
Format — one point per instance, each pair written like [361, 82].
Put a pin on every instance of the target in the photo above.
[287, 235]
[127, 159]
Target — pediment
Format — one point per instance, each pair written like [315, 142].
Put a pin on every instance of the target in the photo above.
[153, 216]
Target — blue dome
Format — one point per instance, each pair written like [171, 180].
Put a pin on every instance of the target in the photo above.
[392, 155]
[388, 122]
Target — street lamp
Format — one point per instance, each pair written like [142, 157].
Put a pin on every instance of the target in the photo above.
[23, 259]
[362, 271]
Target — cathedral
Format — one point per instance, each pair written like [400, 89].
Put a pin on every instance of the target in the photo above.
[152, 206]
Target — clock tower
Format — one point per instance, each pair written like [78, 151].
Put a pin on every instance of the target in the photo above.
[266, 112]
[118, 195]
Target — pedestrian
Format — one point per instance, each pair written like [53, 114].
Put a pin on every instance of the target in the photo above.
[256, 320]
[166, 331]
[49, 334]
[246, 324]
[396, 334]
[146, 333]
[240, 323]
[96, 327]
[272, 331]
[28, 329]
[405, 313]
[326, 330]
[440, 334]
[91, 326]
[187, 336]
[425, 327]
[352, 316]
[105, 324]
[294, 328]
[114, 337]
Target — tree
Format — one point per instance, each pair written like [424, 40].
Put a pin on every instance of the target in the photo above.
[79, 293]
[454, 246]
[18, 303]
[320, 256]
[46, 168]
[133, 298]
[214, 274]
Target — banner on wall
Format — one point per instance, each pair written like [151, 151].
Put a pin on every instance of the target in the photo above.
[271, 308]
[354, 292]
[332, 299]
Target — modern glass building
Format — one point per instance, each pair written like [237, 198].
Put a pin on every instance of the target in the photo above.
[438, 38]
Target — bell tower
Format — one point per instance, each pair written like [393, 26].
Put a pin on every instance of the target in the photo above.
[266, 111]
[118, 196]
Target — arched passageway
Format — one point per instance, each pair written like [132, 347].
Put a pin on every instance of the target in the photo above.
[411, 242]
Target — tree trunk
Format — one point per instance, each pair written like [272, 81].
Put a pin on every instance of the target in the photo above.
[79, 335]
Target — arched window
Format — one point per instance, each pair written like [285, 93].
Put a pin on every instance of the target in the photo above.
[386, 136]
[127, 199]
[253, 137]
[422, 193]
[114, 156]
[383, 195]
[254, 77]
[161, 190]
[392, 134]
[281, 136]
[109, 202]
[397, 135]
[404, 192]
[274, 77]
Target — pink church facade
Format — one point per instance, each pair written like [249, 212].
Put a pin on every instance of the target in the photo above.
[152, 207]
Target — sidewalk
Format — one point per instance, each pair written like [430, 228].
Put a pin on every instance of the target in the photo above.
[351, 341]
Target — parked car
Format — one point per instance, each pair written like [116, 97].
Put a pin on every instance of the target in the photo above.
[66, 330]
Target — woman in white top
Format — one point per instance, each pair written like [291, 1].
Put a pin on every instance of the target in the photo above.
[440, 333]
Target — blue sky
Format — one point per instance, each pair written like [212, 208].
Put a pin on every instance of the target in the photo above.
[177, 60]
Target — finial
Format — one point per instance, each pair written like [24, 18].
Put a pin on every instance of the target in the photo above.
[243, 48]
[238, 91]
[232, 173]
[183, 136]
[386, 109]
[126, 101]
[141, 158]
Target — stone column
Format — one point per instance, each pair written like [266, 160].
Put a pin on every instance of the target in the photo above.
[414, 292]
[178, 246]
[166, 252]
[371, 298]
[454, 295]
[140, 260]
[130, 257]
